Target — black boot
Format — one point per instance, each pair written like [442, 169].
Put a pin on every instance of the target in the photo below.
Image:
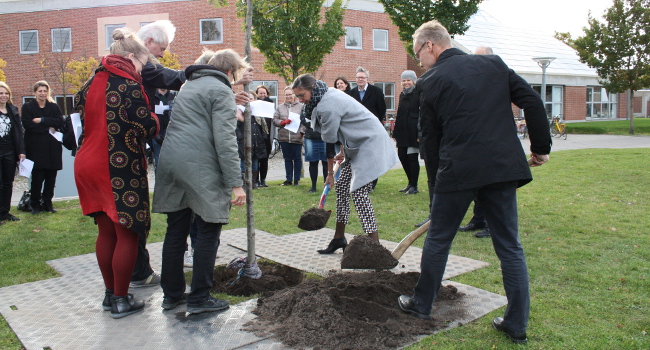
[106, 304]
[255, 175]
[405, 188]
[125, 306]
[334, 245]
[263, 183]
[412, 190]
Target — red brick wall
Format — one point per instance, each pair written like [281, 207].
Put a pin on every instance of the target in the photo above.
[638, 104]
[622, 105]
[575, 102]
[23, 70]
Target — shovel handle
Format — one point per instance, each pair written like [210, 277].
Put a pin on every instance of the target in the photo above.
[326, 190]
[409, 239]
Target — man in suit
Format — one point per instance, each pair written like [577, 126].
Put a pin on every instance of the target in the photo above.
[465, 105]
[370, 97]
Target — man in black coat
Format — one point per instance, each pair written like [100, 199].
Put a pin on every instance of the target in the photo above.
[469, 136]
[371, 97]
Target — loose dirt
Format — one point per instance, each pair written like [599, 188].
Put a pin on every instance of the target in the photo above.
[364, 252]
[314, 219]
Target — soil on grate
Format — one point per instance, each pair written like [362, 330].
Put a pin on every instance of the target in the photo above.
[364, 252]
[349, 311]
[274, 277]
[314, 219]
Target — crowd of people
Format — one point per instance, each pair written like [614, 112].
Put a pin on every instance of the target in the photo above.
[193, 121]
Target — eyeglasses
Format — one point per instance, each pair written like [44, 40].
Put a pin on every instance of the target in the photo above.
[143, 64]
[417, 54]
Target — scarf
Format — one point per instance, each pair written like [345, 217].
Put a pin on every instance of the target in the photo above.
[320, 88]
[409, 90]
[121, 66]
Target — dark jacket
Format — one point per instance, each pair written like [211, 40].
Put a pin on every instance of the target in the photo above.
[373, 99]
[17, 128]
[168, 100]
[405, 132]
[468, 129]
[155, 76]
[258, 137]
[41, 147]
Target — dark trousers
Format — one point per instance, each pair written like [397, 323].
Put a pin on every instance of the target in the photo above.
[44, 179]
[410, 164]
[313, 172]
[479, 217]
[142, 268]
[292, 153]
[263, 164]
[205, 252]
[7, 173]
[447, 211]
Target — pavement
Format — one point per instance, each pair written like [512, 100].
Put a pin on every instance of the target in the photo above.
[276, 165]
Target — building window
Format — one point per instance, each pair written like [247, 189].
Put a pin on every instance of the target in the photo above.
[380, 39]
[142, 24]
[273, 89]
[554, 95]
[26, 99]
[28, 41]
[389, 94]
[353, 38]
[64, 102]
[61, 40]
[109, 33]
[211, 31]
[601, 103]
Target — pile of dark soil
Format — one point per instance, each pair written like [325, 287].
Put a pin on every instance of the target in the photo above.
[364, 252]
[314, 219]
[349, 311]
[274, 277]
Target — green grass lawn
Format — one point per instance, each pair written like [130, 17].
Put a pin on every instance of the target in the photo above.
[610, 127]
[583, 222]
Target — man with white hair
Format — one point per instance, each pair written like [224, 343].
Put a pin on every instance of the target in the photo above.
[469, 136]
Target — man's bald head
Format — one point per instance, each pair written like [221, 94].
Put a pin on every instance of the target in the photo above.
[484, 50]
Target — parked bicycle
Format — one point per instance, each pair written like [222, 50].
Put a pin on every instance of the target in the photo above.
[522, 129]
[275, 148]
[558, 129]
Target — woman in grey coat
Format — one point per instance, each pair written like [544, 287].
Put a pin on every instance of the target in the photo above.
[199, 172]
[367, 151]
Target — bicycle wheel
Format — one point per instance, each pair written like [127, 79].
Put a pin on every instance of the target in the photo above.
[563, 131]
[554, 130]
[275, 148]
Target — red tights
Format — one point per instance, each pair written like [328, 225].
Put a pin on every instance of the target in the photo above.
[116, 249]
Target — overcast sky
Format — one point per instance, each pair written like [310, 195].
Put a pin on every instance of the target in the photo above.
[546, 15]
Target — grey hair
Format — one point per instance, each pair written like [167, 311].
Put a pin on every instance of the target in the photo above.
[228, 60]
[162, 32]
[361, 69]
[432, 31]
[124, 43]
[304, 82]
[205, 57]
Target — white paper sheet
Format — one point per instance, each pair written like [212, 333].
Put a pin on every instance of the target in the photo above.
[262, 109]
[295, 122]
[57, 135]
[76, 126]
[161, 108]
[25, 167]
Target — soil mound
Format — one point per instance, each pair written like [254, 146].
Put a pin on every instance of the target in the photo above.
[348, 311]
[274, 277]
[314, 219]
[364, 252]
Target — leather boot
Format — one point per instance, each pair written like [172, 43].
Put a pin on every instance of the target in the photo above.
[256, 174]
[106, 304]
[334, 245]
[125, 306]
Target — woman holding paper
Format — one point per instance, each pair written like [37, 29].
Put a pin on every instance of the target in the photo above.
[41, 119]
[290, 141]
[12, 149]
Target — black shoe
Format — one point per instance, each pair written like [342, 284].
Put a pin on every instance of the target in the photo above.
[471, 227]
[405, 188]
[296, 183]
[312, 190]
[170, 303]
[412, 190]
[517, 338]
[286, 183]
[36, 209]
[8, 217]
[483, 234]
[125, 306]
[106, 304]
[421, 223]
[212, 304]
[263, 183]
[49, 208]
[407, 305]
[334, 245]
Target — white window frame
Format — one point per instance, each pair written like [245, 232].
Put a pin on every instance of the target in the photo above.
[358, 33]
[109, 34]
[375, 32]
[69, 98]
[271, 85]
[219, 25]
[20, 40]
[26, 99]
[390, 99]
[68, 45]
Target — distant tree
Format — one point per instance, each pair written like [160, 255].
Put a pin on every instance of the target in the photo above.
[619, 48]
[408, 15]
[3, 64]
[564, 37]
[295, 36]
[79, 72]
[170, 60]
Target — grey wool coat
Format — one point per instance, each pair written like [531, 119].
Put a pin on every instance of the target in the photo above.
[199, 163]
[367, 146]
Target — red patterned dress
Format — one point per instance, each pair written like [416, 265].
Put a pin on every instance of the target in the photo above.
[110, 168]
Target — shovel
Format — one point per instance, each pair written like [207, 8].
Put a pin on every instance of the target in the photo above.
[316, 218]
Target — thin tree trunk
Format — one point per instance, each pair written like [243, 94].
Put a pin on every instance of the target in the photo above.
[630, 112]
[248, 181]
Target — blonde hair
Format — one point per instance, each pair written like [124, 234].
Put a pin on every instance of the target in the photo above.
[6, 87]
[432, 31]
[229, 61]
[125, 42]
[40, 83]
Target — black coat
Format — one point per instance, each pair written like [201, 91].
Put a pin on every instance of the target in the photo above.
[468, 129]
[17, 128]
[405, 132]
[41, 147]
[155, 76]
[373, 99]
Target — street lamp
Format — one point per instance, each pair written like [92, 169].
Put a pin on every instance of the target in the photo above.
[543, 62]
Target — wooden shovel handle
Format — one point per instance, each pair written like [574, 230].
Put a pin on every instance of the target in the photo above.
[408, 240]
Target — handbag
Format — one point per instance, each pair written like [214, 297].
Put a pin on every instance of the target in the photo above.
[24, 203]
